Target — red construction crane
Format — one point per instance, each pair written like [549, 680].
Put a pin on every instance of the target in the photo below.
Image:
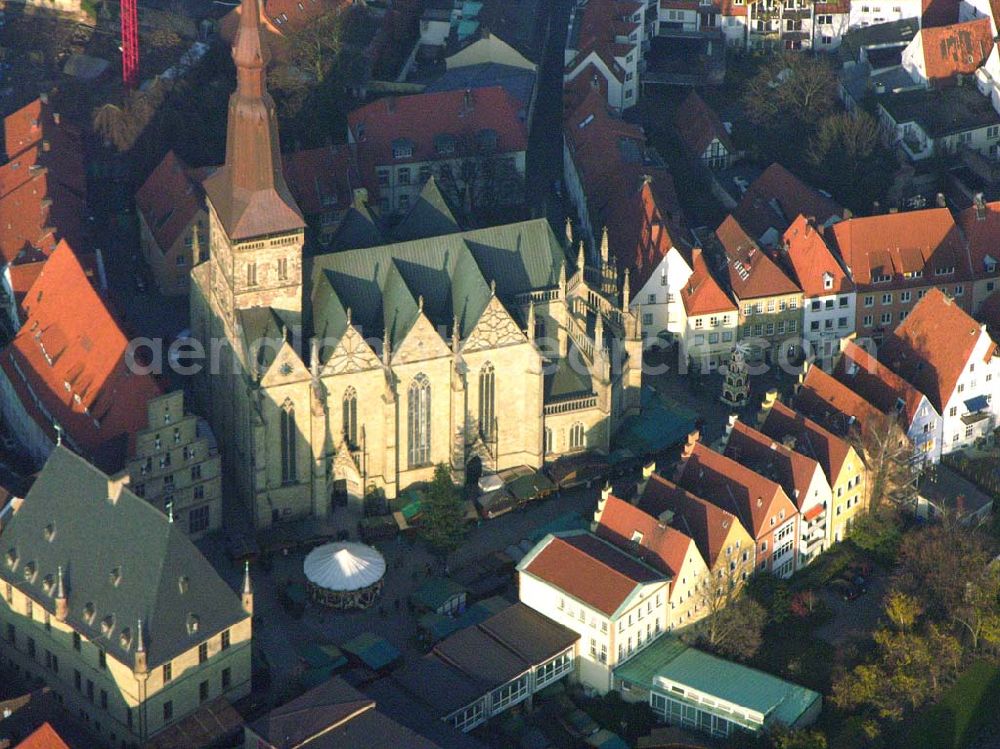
[130, 43]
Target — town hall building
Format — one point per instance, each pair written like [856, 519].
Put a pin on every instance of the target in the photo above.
[360, 370]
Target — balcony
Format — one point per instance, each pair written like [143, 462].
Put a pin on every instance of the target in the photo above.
[573, 404]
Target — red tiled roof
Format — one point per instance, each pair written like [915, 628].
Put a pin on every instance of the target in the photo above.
[43, 737]
[835, 6]
[322, 178]
[601, 22]
[640, 234]
[424, 118]
[834, 405]
[896, 243]
[812, 513]
[811, 439]
[169, 200]
[792, 470]
[981, 227]
[776, 197]
[730, 8]
[960, 48]
[875, 382]
[68, 364]
[660, 545]
[811, 261]
[36, 215]
[752, 274]
[707, 523]
[35, 134]
[751, 497]
[591, 570]
[613, 161]
[698, 125]
[932, 346]
[702, 294]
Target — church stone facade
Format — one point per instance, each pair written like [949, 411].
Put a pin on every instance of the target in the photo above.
[361, 370]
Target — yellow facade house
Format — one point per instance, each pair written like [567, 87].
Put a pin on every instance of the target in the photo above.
[111, 605]
[845, 470]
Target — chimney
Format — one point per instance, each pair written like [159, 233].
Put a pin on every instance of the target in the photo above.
[467, 99]
[61, 600]
[666, 517]
[647, 470]
[247, 596]
[141, 665]
[939, 200]
[980, 205]
[44, 98]
[789, 441]
[687, 451]
[770, 398]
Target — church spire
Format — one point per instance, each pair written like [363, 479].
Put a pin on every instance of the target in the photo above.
[249, 193]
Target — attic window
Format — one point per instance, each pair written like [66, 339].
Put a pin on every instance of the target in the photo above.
[637, 537]
[108, 625]
[29, 570]
[12, 558]
[125, 639]
[48, 583]
[88, 612]
[182, 584]
[487, 139]
[192, 624]
[402, 148]
[50, 532]
[444, 144]
[116, 576]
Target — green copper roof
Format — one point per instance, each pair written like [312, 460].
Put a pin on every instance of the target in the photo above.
[381, 285]
[122, 561]
[668, 658]
[430, 216]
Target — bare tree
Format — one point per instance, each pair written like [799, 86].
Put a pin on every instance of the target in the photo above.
[791, 87]
[893, 466]
[734, 622]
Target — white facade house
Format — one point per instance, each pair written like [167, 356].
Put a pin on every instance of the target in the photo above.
[606, 38]
[971, 411]
[870, 12]
[616, 603]
[659, 300]
[830, 23]
[828, 319]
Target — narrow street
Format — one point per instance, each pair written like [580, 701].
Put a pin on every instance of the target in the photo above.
[545, 142]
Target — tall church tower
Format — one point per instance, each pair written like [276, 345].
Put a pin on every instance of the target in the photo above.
[256, 227]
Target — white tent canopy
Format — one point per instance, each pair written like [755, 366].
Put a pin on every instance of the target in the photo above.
[344, 566]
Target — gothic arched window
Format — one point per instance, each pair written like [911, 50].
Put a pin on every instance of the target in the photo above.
[288, 442]
[419, 421]
[577, 437]
[487, 401]
[350, 423]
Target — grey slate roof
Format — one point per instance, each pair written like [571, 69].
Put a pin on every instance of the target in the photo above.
[68, 519]
[382, 286]
[518, 82]
[358, 228]
[306, 722]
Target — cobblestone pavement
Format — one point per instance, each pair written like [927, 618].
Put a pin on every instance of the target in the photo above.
[279, 635]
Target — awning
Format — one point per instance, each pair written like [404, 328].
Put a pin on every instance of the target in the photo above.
[979, 403]
[813, 512]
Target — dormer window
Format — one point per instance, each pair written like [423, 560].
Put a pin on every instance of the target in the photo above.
[487, 139]
[192, 624]
[50, 532]
[108, 625]
[125, 639]
[12, 558]
[637, 537]
[29, 570]
[88, 612]
[402, 148]
[182, 584]
[444, 144]
[827, 281]
[116, 576]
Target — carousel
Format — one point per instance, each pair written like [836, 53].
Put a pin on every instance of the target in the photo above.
[344, 575]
